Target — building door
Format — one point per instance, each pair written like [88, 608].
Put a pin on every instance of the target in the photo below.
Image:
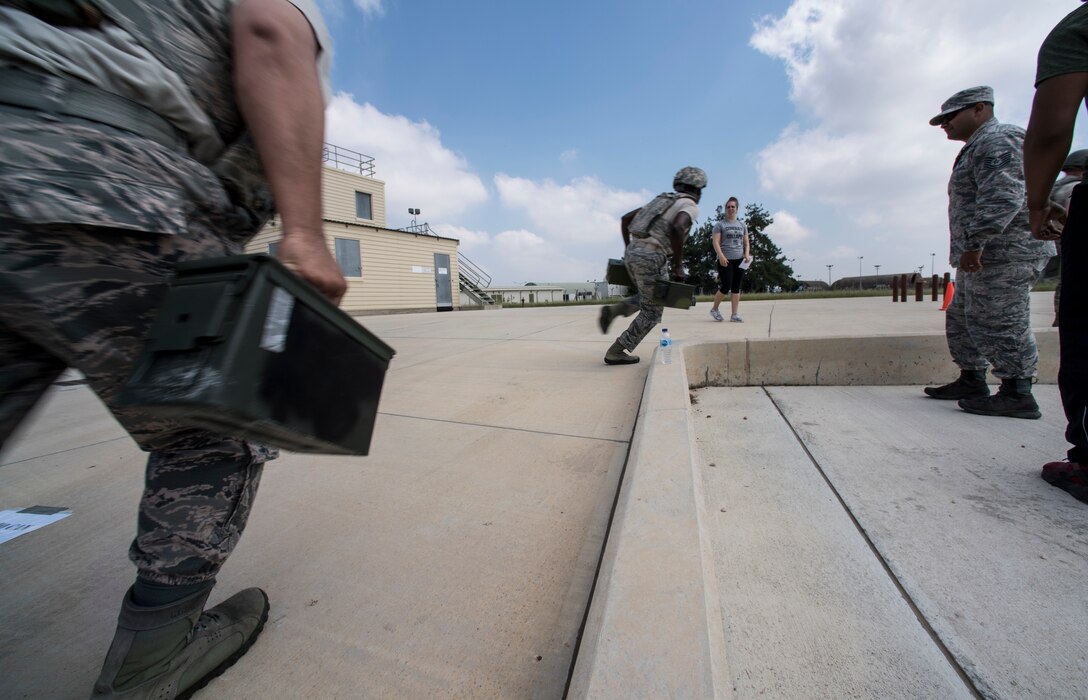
[443, 288]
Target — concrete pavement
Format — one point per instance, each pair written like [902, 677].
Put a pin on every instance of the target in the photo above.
[457, 559]
[850, 539]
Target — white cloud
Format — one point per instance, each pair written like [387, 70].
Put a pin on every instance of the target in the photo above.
[469, 240]
[409, 157]
[529, 257]
[786, 229]
[370, 7]
[584, 211]
[865, 78]
[338, 10]
[574, 230]
[575, 226]
[568, 156]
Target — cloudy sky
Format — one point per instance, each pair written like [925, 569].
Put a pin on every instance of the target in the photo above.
[525, 130]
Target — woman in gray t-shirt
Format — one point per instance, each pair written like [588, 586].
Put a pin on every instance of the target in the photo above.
[730, 240]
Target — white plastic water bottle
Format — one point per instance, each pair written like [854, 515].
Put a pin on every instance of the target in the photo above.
[666, 347]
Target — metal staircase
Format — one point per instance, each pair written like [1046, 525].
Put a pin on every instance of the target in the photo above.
[473, 280]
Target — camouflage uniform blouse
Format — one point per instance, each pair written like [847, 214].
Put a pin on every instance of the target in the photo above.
[987, 205]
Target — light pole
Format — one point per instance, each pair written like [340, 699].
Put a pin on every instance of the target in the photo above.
[414, 212]
[859, 271]
[829, 274]
[932, 259]
[877, 270]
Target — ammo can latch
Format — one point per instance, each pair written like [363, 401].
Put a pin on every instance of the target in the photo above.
[193, 315]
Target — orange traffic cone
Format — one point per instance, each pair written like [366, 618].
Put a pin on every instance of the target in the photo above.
[949, 292]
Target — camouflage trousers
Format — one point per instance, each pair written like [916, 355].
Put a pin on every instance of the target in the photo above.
[988, 322]
[646, 266]
[73, 296]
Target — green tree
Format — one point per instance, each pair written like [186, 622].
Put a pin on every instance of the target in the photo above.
[700, 258]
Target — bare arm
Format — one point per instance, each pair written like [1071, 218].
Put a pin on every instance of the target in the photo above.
[1049, 135]
[716, 241]
[279, 94]
[678, 231]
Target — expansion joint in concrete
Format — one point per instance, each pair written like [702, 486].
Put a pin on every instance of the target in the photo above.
[933, 635]
[604, 546]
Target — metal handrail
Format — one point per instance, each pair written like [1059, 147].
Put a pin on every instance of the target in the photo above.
[472, 272]
[347, 159]
[420, 229]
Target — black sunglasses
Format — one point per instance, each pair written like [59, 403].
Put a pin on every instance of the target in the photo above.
[952, 115]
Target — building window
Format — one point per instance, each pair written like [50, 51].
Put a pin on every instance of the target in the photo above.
[274, 249]
[362, 206]
[347, 255]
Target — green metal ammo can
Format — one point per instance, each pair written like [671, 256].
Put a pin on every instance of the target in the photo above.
[676, 295]
[243, 347]
[616, 273]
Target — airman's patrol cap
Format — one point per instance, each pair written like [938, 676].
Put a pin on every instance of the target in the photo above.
[964, 98]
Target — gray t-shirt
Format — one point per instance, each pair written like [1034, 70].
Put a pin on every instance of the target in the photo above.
[732, 235]
[1065, 49]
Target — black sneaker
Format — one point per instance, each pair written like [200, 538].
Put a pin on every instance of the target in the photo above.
[1008, 401]
[970, 384]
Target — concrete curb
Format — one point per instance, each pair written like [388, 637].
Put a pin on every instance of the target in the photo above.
[654, 627]
[899, 360]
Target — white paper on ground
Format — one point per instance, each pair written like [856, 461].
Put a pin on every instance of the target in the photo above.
[19, 522]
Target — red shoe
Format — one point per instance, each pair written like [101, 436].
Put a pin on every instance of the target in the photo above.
[1069, 477]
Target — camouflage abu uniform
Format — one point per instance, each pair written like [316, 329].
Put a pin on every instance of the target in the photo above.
[97, 206]
[647, 259]
[988, 321]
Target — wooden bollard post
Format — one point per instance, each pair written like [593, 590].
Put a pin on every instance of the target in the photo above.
[918, 289]
[895, 289]
[903, 288]
[933, 288]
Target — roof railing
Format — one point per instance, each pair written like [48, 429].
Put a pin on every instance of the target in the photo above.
[347, 159]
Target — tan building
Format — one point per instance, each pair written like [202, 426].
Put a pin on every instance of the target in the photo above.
[386, 269]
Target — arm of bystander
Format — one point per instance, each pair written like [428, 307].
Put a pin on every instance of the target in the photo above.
[1049, 135]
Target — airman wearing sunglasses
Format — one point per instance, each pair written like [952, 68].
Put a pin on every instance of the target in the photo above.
[997, 261]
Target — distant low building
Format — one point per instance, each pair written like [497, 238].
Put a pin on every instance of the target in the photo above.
[580, 291]
[882, 281]
[526, 294]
